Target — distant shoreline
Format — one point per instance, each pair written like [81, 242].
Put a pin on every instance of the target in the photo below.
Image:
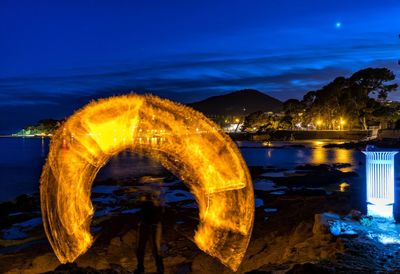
[24, 136]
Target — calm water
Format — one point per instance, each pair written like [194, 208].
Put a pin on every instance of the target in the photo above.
[20, 165]
[22, 160]
[287, 155]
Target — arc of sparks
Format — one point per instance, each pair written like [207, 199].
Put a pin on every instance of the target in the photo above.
[183, 140]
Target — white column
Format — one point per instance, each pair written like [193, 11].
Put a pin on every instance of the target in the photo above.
[380, 183]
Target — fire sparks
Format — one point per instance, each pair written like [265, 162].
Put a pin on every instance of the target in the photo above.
[183, 140]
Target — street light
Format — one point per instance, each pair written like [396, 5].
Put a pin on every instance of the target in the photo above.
[319, 123]
[342, 123]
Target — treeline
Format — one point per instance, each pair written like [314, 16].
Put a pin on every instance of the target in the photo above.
[46, 126]
[355, 102]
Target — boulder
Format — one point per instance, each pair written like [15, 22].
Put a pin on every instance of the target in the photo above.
[310, 268]
[129, 238]
[321, 226]
[43, 263]
[204, 263]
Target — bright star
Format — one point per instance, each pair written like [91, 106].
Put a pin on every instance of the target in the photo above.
[338, 24]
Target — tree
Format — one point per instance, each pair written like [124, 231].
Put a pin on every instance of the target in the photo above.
[261, 122]
[369, 81]
[346, 98]
[295, 109]
[254, 121]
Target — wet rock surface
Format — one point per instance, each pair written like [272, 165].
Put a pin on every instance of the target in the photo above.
[299, 228]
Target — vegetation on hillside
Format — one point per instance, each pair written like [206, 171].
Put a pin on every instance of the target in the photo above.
[43, 127]
[345, 103]
[356, 102]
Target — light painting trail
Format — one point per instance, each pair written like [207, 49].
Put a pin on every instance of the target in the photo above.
[380, 183]
[183, 140]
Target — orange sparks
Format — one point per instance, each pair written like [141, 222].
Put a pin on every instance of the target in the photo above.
[183, 140]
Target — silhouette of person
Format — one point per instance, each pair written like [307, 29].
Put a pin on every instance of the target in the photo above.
[150, 228]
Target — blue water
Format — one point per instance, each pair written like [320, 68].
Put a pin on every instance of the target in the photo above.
[21, 163]
[22, 160]
[283, 155]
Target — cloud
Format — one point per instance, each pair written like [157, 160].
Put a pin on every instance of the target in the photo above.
[301, 69]
[191, 77]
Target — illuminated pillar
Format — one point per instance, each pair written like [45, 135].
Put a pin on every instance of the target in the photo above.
[380, 183]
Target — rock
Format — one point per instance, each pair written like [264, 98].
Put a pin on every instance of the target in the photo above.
[174, 260]
[116, 241]
[338, 228]
[309, 268]
[177, 263]
[335, 228]
[302, 232]
[204, 263]
[43, 263]
[129, 238]
[321, 225]
[74, 268]
[184, 268]
[259, 272]
[356, 215]
[93, 260]
[102, 263]
[115, 247]
[341, 165]
[329, 223]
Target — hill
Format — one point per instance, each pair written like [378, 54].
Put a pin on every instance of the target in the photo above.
[242, 102]
[43, 127]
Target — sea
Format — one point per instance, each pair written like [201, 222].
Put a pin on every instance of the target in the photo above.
[22, 160]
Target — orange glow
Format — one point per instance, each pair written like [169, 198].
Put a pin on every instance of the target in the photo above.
[343, 187]
[319, 156]
[343, 156]
[183, 140]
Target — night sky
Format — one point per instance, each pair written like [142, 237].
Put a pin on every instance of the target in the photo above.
[55, 57]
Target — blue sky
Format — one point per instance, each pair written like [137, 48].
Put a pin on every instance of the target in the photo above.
[55, 56]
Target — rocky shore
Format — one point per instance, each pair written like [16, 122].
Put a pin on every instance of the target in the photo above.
[304, 223]
[383, 143]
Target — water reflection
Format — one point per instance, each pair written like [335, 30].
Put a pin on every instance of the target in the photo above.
[130, 164]
[343, 156]
[43, 148]
[318, 143]
[300, 154]
[319, 156]
[291, 154]
[22, 160]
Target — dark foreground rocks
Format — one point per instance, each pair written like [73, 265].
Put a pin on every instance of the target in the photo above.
[292, 234]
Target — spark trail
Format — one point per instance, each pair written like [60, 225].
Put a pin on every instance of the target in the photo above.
[183, 140]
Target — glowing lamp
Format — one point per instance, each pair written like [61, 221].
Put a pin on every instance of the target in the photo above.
[380, 182]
